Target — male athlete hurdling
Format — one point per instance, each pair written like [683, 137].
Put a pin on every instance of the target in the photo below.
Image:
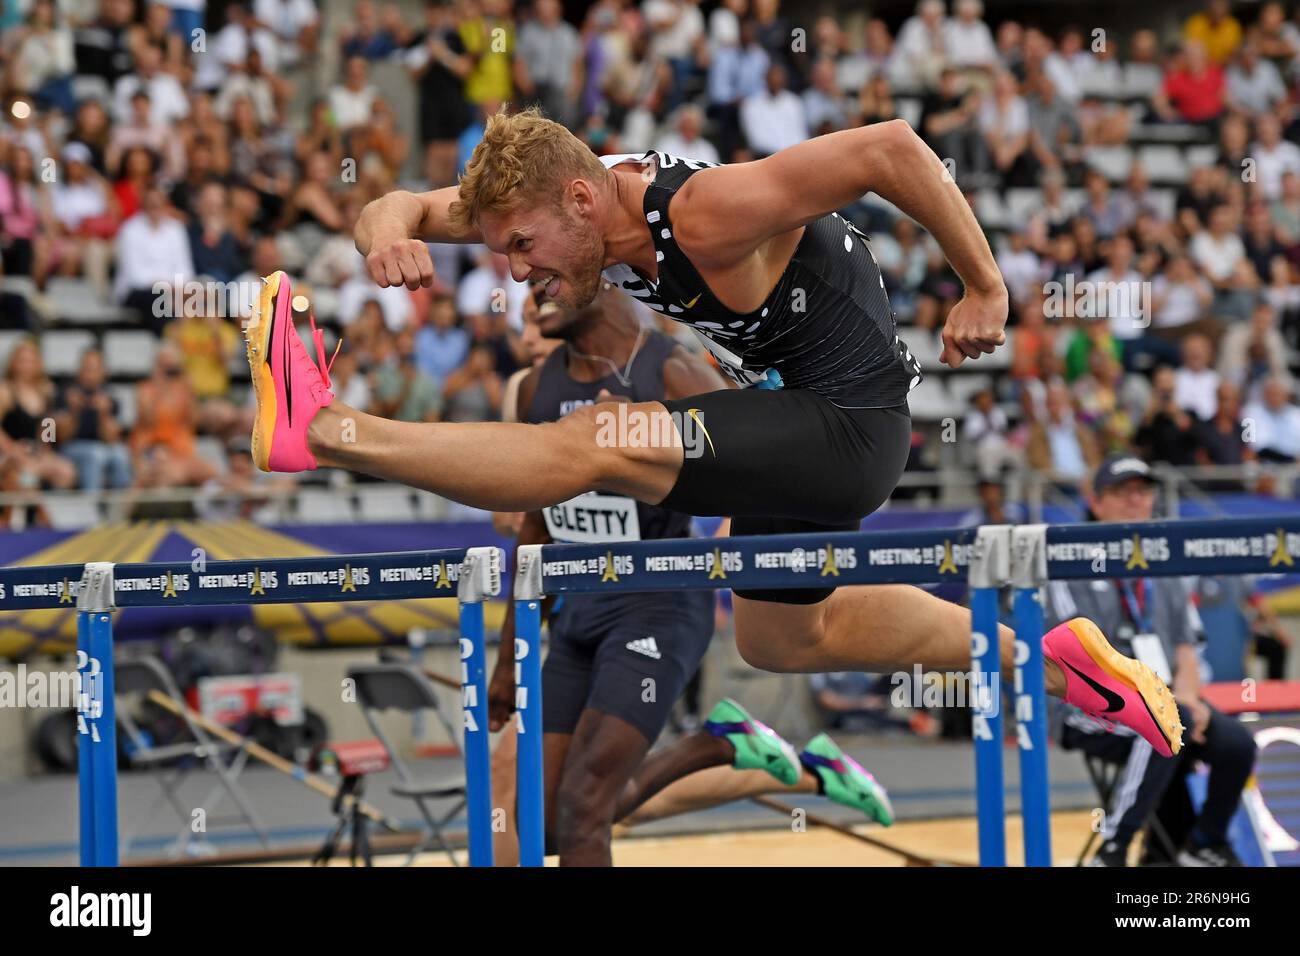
[785, 293]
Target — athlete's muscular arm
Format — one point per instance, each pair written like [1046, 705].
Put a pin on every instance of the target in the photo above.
[391, 233]
[686, 375]
[725, 214]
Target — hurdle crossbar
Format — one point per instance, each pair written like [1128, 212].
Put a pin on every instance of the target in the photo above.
[989, 559]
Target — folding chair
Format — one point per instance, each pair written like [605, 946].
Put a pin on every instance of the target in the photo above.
[171, 763]
[400, 687]
[1104, 775]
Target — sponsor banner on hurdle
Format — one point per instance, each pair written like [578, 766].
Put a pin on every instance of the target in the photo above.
[355, 577]
[56, 585]
[1174, 548]
[761, 561]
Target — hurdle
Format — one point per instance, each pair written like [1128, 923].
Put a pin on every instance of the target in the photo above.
[989, 558]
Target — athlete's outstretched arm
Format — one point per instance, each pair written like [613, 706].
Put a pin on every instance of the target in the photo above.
[391, 233]
[726, 213]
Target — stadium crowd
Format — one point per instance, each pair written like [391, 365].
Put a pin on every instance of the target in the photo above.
[145, 147]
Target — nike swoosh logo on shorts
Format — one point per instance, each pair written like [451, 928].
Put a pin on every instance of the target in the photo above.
[1114, 701]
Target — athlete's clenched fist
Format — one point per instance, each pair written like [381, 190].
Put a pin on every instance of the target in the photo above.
[400, 262]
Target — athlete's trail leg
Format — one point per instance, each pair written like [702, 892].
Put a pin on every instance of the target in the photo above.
[555, 748]
[867, 628]
[604, 754]
[504, 467]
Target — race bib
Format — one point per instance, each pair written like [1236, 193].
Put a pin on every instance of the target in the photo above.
[593, 518]
[1150, 650]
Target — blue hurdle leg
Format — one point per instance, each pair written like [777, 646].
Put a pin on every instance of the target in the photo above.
[85, 745]
[528, 706]
[104, 750]
[478, 774]
[986, 726]
[1031, 728]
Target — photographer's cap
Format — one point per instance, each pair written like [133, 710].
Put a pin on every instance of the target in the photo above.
[1117, 469]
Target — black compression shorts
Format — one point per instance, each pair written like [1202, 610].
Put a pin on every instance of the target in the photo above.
[786, 461]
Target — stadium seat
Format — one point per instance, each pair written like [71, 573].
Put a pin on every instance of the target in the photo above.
[72, 512]
[130, 354]
[908, 109]
[430, 507]
[991, 211]
[962, 386]
[22, 285]
[1201, 155]
[930, 401]
[85, 87]
[1102, 84]
[325, 303]
[324, 506]
[61, 350]
[126, 409]
[77, 302]
[8, 339]
[211, 450]
[1167, 201]
[1163, 164]
[1141, 80]
[1020, 205]
[380, 503]
[1111, 161]
[924, 346]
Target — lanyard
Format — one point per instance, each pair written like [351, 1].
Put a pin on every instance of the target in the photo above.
[1135, 602]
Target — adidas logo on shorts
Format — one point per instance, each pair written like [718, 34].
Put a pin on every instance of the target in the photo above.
[646, 646]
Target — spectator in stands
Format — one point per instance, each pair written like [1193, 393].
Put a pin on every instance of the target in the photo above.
[1197, 198]
[491, 289]
[103, 47]
[774, 33]
[1102, 208]
[137, 174]
[43, 64]
[263, 90]
[1010, 41]
[736, 72]
[1196, 383]
[1194, 90]
[1216, 29]
[296, 24]
[1260, 238]
[1004, 123]
[825, 107]
[686, 139]
[1109, 402]
[366, 36]
[214, 250]
[442, 344]
[1136, 198]
[1054, 130]
[1093, 334]
[140, 131]
[228, 50]
[85, 217]
[164, 440]
[472, 393]
[153, 260]
[156, 29]
[830, 42]
[1254, 85]
[1179, 300]
[314, 210]
[1217, 249]
[1277, 43]
[876, 101]
[548, 63]
[921, 49]
[1034, 342]
[1219, 440]
[984, 437]
[968, 41]
[1274, 157]
[438, 62]
[489, 39]
[167, 100]
[1252, 353]
[939, 291]
[25, 220]
[1273, 423]
[950, 125]
[27, 427]
[260, 158]
[774, 118]
[400, 389]
[352, 99]
[1039, 56]
[1285, 213]
[848, 700]
[1059, 443]
[90, 431]
[1020, 267]
[1166, 432]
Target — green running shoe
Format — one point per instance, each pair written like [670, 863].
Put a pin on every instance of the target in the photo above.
[845, 781]
[758, 746]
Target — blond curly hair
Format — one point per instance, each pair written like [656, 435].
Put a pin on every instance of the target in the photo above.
[523, 158]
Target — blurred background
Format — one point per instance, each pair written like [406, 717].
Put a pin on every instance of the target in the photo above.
[1134, 167]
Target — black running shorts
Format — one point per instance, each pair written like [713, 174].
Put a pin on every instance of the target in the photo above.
[786, 461]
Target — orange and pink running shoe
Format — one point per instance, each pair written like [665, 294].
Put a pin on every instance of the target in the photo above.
[290, 388]
[1112, 688]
